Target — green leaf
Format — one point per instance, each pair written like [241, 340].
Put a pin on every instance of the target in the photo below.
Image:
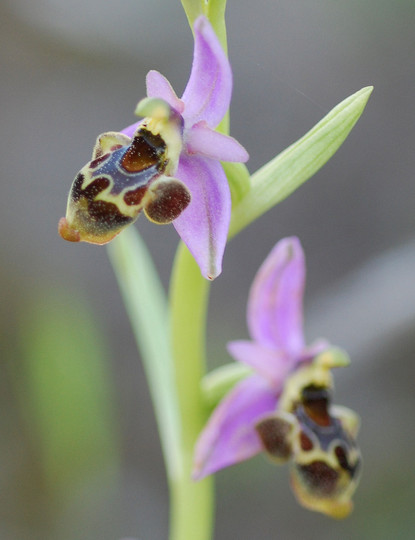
[285, 173]
[146, 306]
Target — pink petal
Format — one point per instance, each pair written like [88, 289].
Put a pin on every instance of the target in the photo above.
[275, 305]
[229, 436]
[269, 363]
[159, 87]
[204, 225]
[201, 139]
[208, 93]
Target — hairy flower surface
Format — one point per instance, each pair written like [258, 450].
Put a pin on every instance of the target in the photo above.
[284, 408]
[168, 164]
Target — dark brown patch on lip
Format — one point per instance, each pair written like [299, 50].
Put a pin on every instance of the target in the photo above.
[95, 187]
[170, 198]
[134, 198]
[274, 435]
[97, 161]
[305, 442]
[107, 214]
[319, 477]
[344, 462]
[315, 402]
[145, 150]
[76, 190]
[116, 147]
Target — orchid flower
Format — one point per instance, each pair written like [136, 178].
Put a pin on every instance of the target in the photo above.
[283, 408]
[167, 165]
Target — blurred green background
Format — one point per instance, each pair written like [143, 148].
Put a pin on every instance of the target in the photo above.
[79, 451]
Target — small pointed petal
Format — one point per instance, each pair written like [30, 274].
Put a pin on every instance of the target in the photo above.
[159, 87]
[230, 436]
[203, 226]
[201, 139]
[269, 363]
[208, 93]
[275, 305]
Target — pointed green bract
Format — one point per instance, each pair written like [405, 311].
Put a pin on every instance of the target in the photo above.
[285, 173]
[217, 383]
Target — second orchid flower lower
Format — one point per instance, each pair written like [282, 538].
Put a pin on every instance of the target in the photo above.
[284, 408]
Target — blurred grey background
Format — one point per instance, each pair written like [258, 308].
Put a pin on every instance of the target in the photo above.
[73, 69]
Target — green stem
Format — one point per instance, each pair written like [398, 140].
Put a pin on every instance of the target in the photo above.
[192, 506]
[192, 503]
